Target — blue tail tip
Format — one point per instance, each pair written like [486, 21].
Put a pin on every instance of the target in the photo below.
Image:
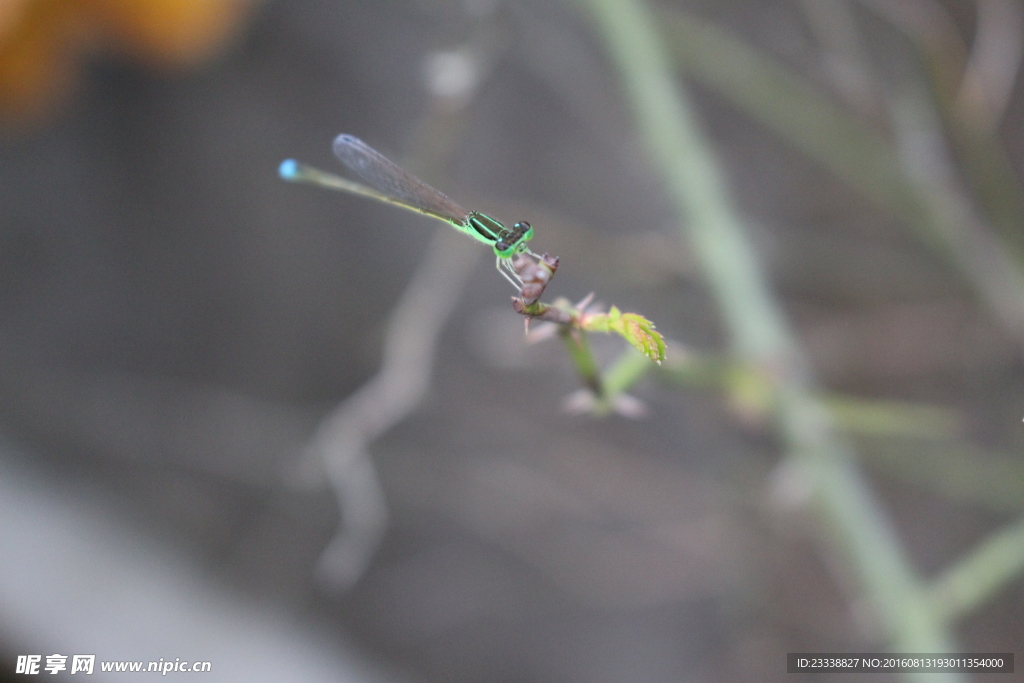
[288, 169]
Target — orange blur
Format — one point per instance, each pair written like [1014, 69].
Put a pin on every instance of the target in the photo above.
[42, 42]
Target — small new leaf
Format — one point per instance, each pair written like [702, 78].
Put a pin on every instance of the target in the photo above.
[634, 328]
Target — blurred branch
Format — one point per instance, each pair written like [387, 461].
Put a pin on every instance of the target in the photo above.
[344, 436]
[834, 26]
[859, 155]
[416, 323]
[977, 81]
[996, 276]
[958, 471]
[970, 89]
[760, 334]
[876, 417]
[978, 577]
[773, 95]
[583, 358]
[932, 29]
[851, 414]
[994, 61]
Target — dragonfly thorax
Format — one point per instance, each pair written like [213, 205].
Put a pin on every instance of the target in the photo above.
[506, 242]
[513, 241]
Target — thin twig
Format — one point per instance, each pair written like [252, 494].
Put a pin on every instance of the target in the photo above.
[344, 436]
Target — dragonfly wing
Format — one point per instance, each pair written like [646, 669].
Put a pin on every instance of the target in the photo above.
[389, 178]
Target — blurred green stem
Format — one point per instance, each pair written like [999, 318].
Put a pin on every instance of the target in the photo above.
[979, 576]
[628, 369]
[958, 471]
[875, 417]
[852, 414]
[759, 333]
[582, 357]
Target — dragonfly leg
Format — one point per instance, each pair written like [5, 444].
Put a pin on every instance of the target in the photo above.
[504, 266]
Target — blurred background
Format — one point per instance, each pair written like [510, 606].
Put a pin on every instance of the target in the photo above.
[202, 458]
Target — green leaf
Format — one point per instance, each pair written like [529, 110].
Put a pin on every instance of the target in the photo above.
[634, 328]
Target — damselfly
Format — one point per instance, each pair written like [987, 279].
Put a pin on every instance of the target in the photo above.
[388, 182]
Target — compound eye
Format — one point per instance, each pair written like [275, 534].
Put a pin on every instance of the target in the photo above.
[525, 230]
[501, 246]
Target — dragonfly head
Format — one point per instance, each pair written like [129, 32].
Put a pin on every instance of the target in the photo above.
[513, 241]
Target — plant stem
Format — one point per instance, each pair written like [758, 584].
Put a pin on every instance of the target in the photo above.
[582, 357]
[759, 333]
[627, 370]
[976, 578]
